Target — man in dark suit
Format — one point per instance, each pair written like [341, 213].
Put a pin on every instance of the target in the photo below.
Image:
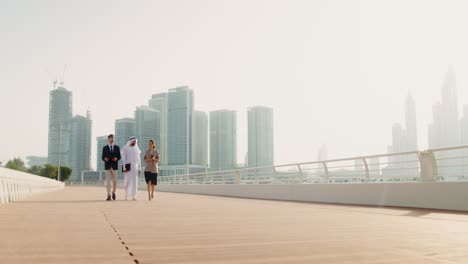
[111, 157]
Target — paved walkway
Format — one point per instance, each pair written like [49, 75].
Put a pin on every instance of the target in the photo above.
[75, 225]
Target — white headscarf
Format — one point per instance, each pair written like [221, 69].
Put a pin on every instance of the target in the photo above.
[135, 148]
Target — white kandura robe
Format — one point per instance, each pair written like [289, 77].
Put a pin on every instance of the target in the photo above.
[131, 155]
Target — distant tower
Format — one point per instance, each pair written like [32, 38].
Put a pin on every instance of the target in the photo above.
[397, 134]
[60, 119]
[411, 132]
[147, 126]
[445, 130]
[464, 126]
[260, 136]
[446, 126]
[80, 155]
[223, 140]
[200, 139]
[179, 125]
[450, 119]
[159, 102]
[124, 129]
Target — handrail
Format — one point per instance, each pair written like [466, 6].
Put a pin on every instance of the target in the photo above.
[17, 185]
[427, 165]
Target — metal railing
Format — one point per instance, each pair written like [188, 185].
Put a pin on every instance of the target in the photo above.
[441, 164]
[17, 185]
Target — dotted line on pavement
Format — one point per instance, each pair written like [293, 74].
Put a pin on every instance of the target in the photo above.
[120, 238]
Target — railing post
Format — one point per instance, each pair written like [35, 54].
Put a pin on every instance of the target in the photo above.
[301, 174]
[428, 166]
[238, 177]
[366, 167]
[325, 170]
[275, 175]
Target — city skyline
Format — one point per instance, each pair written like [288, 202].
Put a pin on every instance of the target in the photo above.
[344, 65]
[403, 139]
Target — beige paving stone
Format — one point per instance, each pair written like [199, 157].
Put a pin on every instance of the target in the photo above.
[76, 225]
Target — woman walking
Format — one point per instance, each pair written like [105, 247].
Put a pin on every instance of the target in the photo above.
[151, 168]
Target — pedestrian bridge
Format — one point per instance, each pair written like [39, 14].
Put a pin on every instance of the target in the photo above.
[76, 225]
[409, 210]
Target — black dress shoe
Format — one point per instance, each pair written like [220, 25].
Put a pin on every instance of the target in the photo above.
[113, 196]
[108, 198]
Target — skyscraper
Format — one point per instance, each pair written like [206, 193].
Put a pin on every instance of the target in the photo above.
[464, 126]
[60, 116]
[403, 140]
[101, 142]
[411, 132]
[450, 110]
[406, 139]
[397, 138]
[147, 123]
[223, 140]
[435, 129]
[260, 136]
[179, 125]
[200, 139]
[464, 137]
[124, 129]
[159, 102]
[80, 154]
[445, 130]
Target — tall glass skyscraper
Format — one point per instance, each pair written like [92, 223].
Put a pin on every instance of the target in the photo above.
[200, 139]
[147, 123]
[80, 154]
[179, 126]
[124, 129]
[411, 131]
[159, 102]
[260, 136]
[60, 117]
[445, 128]
[223, 140]
[444, 131]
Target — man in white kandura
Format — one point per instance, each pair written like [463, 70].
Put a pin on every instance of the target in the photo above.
[131, 166]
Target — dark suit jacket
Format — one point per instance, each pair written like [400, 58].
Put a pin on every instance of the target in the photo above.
[106, 153]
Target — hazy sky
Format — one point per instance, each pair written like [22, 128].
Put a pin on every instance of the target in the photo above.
[335, 72]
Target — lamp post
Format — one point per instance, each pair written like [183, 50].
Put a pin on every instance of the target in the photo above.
[60, 152]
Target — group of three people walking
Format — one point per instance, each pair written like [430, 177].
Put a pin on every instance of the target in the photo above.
[131, 167]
